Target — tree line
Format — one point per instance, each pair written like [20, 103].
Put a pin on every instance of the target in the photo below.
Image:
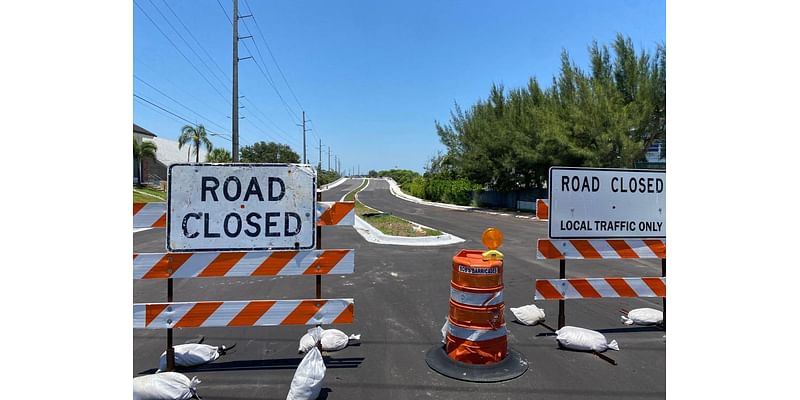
[605, 116]
[259, 152]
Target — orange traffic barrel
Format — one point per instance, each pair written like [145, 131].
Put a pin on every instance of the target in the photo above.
[476, 331]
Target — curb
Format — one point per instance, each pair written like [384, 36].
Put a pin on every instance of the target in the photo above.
[373, 235]
[394, 188]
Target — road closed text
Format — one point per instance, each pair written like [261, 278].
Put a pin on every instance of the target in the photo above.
[233, 224]
[617, 184]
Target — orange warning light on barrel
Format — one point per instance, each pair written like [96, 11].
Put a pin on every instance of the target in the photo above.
[492, 238]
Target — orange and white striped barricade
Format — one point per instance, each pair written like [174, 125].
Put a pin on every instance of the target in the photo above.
[203, 264]
[329, 213]
[597, 288]
[542, 209]
[476, 339]
[599, 249]
[205, 314]
[242, 264]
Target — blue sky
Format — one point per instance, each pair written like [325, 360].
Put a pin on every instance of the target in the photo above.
[373, 76]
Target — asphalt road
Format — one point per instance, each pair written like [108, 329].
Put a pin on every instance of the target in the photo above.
[401, 300]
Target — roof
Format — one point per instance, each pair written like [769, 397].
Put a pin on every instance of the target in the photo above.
[139, 129]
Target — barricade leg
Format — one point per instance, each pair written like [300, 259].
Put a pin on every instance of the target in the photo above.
[664, 299]
[562, 274]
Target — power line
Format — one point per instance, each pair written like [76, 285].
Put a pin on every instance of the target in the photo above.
[179, 51]
[179, 103]
[202, 61]
[195, 40]
[264, 38]
[265, 74]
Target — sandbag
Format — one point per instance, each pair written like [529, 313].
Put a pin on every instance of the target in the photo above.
[307, 380]
[576, 338]
[642, 316]
[444, 330]
[528, 315]
[164, 386]
[190, 354]
[331, 340]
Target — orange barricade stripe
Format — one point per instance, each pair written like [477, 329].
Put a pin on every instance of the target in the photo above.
[346, 317]
[161, 222]
[586, 249]
[152, 311]
[547, 290]
[621, 287]
[657, 286]
[622, 249]
[336, 213]
[222, 264]
[138, 207]
[198, 314]
[161, 269]
[303, 312]
[274, 263]
[548, 250]
[658, 247]
[251, 313]
[584, 288]
[326, 261]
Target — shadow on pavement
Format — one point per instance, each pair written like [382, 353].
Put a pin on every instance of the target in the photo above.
[280, 363]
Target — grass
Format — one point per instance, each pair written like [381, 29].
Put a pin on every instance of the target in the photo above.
[387, 223]
[142, 194]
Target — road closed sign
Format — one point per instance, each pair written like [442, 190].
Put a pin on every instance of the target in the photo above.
[595, 203]
[219, 207]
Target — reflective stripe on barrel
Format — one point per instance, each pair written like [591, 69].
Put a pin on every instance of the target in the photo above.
[476, 299]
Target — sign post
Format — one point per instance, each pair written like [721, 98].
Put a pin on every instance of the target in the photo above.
[214, 207]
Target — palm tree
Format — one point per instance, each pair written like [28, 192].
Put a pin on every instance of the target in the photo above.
[142, 150]
[196, 135]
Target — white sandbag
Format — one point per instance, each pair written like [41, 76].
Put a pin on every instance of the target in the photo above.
[576, 338]
[307, 380]
[164, 386]
[306, 343]
[332, 340]
[529, 315]
[190, 354]
[642, 316]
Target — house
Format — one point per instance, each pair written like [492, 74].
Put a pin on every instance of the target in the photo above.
[140, 134]
[168, 152]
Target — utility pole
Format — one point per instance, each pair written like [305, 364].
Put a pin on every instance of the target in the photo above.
[305, 159]
[320, 154]
[329, 158]
[235, 109]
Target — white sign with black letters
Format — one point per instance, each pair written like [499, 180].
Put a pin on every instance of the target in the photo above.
[597, 203]
[218, 207]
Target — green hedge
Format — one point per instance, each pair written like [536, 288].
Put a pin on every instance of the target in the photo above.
[459, 191]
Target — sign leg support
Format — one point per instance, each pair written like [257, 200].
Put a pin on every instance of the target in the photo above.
[562, 274]
[170, 349]
[664, 300]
